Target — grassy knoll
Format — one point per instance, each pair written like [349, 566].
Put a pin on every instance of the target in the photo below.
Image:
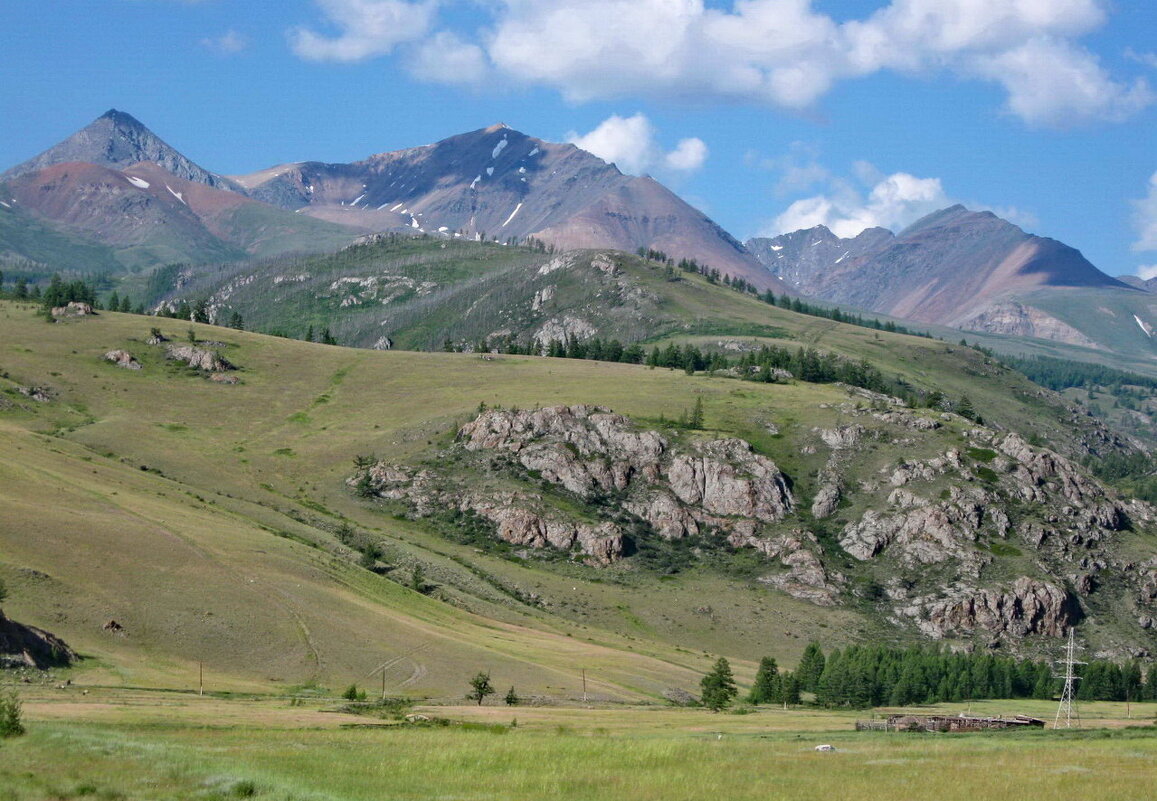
[116, 745]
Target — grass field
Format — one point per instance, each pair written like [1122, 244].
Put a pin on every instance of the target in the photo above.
[118, 744]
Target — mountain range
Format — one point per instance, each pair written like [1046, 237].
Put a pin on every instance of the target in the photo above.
[114, 196]
[970, 270]
[492, 183]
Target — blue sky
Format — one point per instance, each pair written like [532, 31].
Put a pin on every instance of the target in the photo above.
[767, 114]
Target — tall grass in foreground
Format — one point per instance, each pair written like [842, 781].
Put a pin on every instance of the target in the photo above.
[72, 761]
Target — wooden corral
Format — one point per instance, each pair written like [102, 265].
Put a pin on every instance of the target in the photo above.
[947, 723]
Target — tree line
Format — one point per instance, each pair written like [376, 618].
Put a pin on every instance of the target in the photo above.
[876, 675]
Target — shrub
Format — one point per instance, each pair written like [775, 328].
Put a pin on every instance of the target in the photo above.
[11, 724]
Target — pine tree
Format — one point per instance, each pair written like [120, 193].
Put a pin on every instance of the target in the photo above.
[790, 685]
[964, 408]
[811, 667]
[695, 420]
[767, 688]
[717, 688]
[512, 698]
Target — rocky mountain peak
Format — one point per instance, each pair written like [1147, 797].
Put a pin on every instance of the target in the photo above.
[118, 140]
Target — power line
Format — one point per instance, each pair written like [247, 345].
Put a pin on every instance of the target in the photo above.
[1067, 714]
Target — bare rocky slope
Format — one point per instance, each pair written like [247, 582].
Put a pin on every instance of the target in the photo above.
[499, 183]
[969, 270]
[976, 535]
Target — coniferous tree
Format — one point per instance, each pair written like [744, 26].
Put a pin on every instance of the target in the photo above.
[811, 667]
[717, 688]
[768, 684]
[695, 420]
[789, 683]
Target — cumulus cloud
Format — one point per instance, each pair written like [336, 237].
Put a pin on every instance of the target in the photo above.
[782, 53]
[227, 44]
[631, 144]
[367, 28]
[1147, 271]
[894, 202]
[688, 156]
[1053, 83]
[1145, 218]
[446, 58]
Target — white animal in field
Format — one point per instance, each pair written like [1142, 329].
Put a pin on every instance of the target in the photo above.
[825, 747]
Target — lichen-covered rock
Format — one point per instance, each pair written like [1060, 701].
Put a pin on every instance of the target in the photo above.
[198, 358]
[1027, 606]
[516, 523]
[826, 501]
[843, 437]
[922, 532]
[706, 487]
[727, 478]
[122, 358]
[72, 309]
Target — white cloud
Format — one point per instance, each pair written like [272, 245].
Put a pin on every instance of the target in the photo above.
[368, 28]
[445, 58]
[1147, 271]
[782, 53]
[1145, 218]
[894, 202]
[631, 144]
[1056, 84]
[226, 44]
[688, 156]
[1148, 59]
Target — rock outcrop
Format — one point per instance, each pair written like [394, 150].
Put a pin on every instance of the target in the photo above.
[716, 486]
[1027, 606]
[28, 646]
[198, 358]
[72, 309]
[122, 358]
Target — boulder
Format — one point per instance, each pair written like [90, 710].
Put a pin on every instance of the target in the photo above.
[122, 358]
[198, 358]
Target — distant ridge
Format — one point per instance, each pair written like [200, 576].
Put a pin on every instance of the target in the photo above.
[966, 269]
[117, 139]
[499, 183]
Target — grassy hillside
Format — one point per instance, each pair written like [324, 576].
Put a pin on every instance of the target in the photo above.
[421, 294]
[204, 517]
[24, 238]
[201, 518]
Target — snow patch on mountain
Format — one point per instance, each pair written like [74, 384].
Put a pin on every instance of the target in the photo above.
[511, 217]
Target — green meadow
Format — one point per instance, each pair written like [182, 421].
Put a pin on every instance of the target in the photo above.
[115, 744]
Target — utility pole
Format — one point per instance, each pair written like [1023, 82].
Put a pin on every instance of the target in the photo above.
[1067, 714]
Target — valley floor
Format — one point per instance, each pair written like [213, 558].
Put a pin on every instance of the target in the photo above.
[130, 744]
